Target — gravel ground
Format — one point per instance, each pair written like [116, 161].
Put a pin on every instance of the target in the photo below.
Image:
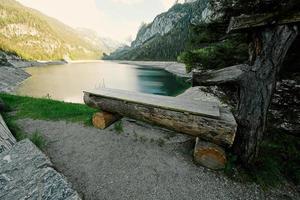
[143, 162]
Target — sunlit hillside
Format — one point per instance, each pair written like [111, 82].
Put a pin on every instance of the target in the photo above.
[32, 35]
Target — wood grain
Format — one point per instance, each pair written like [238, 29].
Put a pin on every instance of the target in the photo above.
[103, 120]
[202, 108]
[219, 130]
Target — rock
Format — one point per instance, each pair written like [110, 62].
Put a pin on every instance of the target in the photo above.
[209, 155]
[7, 140]
[10, 77]
[26, 173]
[166, 27]
[284, 112]
[192, 11]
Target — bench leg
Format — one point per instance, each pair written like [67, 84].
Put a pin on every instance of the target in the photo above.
[209, 155]
[104, 119]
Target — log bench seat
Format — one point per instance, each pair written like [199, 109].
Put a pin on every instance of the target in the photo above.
[214, 126]
[206, 120]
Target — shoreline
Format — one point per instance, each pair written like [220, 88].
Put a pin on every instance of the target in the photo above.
[26, 64]
[175, 68]
[84, 61]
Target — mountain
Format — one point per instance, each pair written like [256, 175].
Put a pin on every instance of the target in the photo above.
[168, 34]
[106, 44]
[35, 36]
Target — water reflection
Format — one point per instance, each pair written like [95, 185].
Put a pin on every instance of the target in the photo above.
[66, 82]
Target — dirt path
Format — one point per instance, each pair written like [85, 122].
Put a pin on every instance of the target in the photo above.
[143, 162]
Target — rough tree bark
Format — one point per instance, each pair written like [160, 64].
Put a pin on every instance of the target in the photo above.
[267, 52]
[256, 83]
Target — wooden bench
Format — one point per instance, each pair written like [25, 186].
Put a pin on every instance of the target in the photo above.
[197, 118]
[212, 125]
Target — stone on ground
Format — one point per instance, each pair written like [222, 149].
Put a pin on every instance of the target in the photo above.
[7, 140]
[26, 173]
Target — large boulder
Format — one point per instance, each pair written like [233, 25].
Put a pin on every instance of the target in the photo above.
[26, 173]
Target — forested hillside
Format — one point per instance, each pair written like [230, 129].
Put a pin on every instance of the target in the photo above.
[190, 33]
[167, 36]
[34, 36]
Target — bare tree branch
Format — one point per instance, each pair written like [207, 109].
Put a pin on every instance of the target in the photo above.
[222, 76]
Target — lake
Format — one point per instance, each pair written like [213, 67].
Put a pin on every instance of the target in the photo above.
[66, 82]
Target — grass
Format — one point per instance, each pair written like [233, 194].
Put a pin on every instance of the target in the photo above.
[43, 109]
[36, 137]
[278, 161]
[46, 109]
[119, 127]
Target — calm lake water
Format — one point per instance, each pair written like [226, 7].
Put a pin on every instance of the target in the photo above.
[66, 82]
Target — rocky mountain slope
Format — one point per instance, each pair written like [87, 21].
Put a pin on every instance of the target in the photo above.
[167, 35]
[33, 35]
[106, 44]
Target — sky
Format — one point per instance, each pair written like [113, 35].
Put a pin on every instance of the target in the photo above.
[116, 19]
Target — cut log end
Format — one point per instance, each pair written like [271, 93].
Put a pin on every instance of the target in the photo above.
[103, 120]
[209, 155]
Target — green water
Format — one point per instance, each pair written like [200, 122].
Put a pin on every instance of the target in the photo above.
[66, 82]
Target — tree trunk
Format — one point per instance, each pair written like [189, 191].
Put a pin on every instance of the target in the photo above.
[267, 52]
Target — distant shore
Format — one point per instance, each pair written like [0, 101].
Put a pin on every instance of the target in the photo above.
[175, 68]
[84, 61]
[25, 64]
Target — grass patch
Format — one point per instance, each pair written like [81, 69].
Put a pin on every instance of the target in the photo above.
[36, 137]
[230, 165]
[46, 109]
[43, 109]
[119, 127]
[38, 140]
[278, 161]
